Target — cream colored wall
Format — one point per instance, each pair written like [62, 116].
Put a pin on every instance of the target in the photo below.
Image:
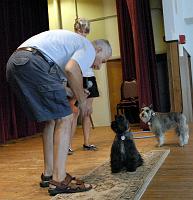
[106, 29]
[111, 26]
[111, 33]
[53, 14]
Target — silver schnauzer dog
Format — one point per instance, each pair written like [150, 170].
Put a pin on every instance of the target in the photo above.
[159, 123]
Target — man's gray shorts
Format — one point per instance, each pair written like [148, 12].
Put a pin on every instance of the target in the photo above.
[38, 86]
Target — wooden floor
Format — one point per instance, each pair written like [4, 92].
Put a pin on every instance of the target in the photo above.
[21, 165]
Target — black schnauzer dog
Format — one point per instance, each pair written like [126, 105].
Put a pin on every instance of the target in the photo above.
[124, 154]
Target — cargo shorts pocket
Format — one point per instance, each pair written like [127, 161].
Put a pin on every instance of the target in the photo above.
[20, 61]
[53, 98]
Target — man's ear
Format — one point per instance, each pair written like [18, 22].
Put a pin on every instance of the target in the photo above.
[98, 49]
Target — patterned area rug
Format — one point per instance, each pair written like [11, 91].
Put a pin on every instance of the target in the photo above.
[124, 185]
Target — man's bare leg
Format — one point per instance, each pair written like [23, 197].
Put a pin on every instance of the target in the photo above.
[86, 123]
[74, 125]
[48, 147]
[62, 135]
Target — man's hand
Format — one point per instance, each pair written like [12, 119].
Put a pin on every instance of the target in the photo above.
[87, 93]
[69, 92]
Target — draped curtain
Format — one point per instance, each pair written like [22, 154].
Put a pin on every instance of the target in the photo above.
[20, 19]
[126, 41]
[137, 48]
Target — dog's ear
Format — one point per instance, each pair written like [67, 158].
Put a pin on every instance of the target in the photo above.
[143, 105]
[151, 106]
[116, 117]
[114, 126]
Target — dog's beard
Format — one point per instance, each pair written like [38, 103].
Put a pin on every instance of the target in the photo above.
[144, 117]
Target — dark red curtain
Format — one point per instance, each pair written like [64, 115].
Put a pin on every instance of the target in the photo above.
[20, 19]
[136, 41]
[126, 41]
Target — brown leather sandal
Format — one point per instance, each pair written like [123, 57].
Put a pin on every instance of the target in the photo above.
[68, 185]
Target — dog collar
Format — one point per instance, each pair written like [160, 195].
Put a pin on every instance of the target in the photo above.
[127, 135]
[123, 137]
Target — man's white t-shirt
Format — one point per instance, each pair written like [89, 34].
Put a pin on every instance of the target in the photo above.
[60, 46]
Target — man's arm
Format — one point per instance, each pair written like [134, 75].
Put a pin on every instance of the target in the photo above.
[75, 81]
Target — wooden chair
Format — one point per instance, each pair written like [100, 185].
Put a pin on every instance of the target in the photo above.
[129, 103]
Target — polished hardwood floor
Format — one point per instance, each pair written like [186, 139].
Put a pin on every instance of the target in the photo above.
[21, 165]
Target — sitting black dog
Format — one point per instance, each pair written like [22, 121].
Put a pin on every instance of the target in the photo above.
[124, 154]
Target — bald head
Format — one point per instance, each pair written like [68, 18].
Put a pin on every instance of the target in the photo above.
[103, 46]
[103, 52]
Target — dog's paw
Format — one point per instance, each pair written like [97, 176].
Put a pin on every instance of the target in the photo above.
[159, 145]
[181, 144]
[131, 170]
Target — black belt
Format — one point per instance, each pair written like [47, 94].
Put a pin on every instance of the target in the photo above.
[33, 50]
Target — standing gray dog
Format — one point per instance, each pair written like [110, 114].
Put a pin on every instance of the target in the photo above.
[159, 123]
